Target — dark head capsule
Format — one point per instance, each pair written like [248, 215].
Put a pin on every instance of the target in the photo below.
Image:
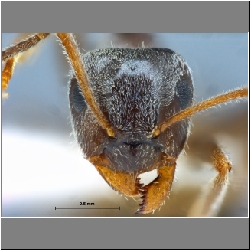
[136, 89]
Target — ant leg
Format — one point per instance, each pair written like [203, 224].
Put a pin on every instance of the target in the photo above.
[11, 55]
[209, 202]
[74, 56]
[8, 72]
[23, 46]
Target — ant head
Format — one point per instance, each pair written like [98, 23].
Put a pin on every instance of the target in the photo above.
[136, 89]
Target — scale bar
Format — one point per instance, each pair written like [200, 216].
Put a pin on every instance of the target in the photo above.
[87, 208]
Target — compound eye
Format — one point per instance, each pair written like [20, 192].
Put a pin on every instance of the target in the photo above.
[77, 100]
[184, 91]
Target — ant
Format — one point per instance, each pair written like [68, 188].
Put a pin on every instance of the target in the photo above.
[118, 136]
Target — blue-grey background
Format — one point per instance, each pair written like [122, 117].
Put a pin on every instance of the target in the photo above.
[42, 166]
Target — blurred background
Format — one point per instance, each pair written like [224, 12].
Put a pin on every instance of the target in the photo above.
[43, 168]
